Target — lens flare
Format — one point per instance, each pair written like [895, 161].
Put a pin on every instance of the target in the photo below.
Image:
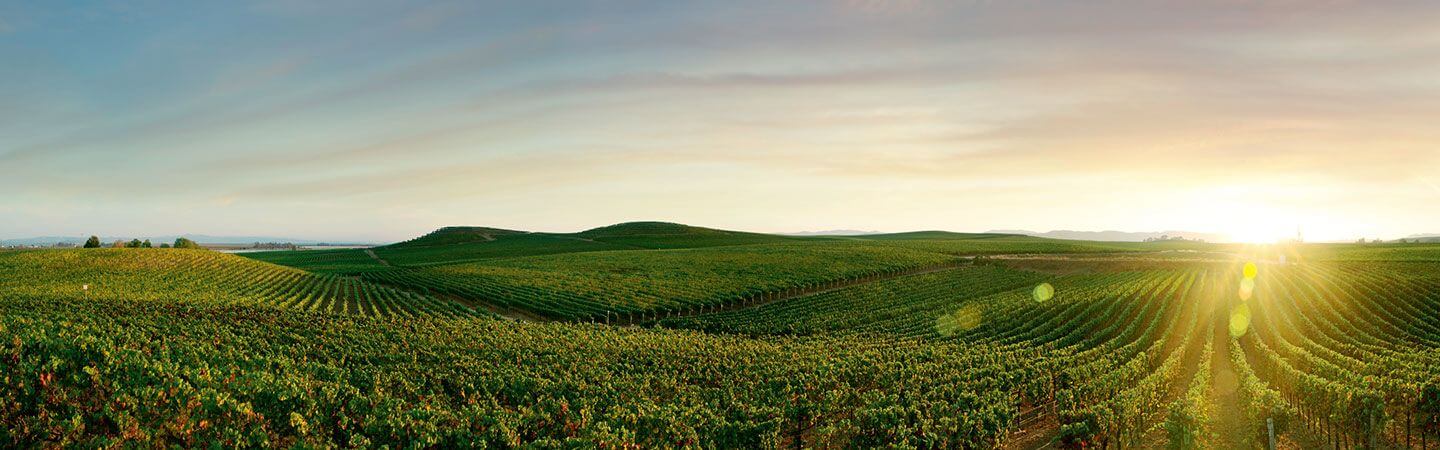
[1247, 288]
[967, 318]
[1043, 293]
[1251, 270]
[1240, 320]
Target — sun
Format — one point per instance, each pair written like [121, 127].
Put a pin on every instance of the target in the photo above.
[1259, 226]
[1242, 221]
[1257, 235]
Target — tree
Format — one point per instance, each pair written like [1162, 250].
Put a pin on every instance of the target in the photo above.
[164, 245]
[93, 242]
[134, 243]
[146, 244]
[118, 244]
[185, 243]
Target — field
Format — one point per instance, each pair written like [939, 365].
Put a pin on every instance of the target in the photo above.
[590, 285]
[118, 275]
[658, 335]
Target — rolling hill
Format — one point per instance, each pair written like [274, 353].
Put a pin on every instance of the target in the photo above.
[203, 277]
[665, 235]
[453, 245]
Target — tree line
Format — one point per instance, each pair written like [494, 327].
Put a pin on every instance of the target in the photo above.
[94, 242]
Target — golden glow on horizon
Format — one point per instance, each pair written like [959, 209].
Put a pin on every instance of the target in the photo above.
[1251, 214]
[1261, 226]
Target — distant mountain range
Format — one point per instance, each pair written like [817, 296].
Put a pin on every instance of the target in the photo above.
[831, 233]
[1112, 236]
[1423, 237]
[201, 238]
[1115, 236]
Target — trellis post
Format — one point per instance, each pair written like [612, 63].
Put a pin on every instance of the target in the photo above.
[1270, 426]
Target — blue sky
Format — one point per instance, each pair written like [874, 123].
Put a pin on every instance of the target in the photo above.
[383, 120]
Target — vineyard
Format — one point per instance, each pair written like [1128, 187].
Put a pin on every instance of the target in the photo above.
[630, 285]
[112, 275]
[343, 261]
[699, 338]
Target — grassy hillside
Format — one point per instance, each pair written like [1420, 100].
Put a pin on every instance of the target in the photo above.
[502, 246]
[665, 235]
[457, 235]
[205, 277]
[451, 245]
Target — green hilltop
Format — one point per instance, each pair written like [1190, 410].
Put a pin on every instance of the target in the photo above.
[456, 235]
[656, 235]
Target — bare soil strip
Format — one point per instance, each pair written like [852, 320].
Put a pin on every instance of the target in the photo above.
[377, 258]
[1230, 427]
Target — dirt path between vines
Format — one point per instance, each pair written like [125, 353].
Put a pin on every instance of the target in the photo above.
[1229, 421]
[377, 258]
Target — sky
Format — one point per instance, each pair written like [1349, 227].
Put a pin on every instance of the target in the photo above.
[378, 121]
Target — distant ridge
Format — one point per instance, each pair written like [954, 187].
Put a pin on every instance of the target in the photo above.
[1423, 238]
[627, 235]
[660, 235]
[940, 235]
[832, 233]
[457, 235]
[650, 228]
[1115, 236]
